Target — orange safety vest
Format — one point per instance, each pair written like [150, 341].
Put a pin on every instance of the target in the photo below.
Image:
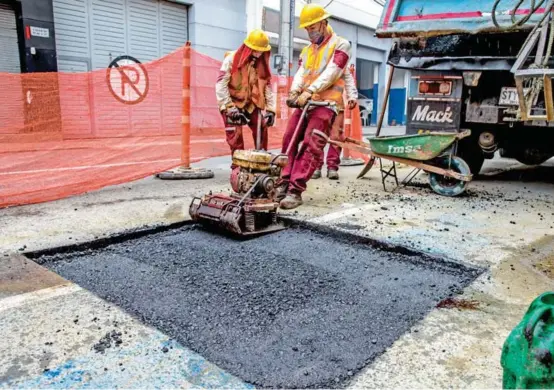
[246, 88]
[315, 60]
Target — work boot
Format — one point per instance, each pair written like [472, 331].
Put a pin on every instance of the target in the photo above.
[333, 175]
[291, 201]
[280, 193]
[316, 174]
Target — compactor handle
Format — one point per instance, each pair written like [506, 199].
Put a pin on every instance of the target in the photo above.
[319, 104]
[311, 103]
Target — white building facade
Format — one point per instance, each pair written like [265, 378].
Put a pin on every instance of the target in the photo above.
[355, 20]
[84, 35]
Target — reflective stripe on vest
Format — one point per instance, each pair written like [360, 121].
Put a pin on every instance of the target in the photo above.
[241, 90]
[315, 60]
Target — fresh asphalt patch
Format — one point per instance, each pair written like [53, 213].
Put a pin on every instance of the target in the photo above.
[295, 309]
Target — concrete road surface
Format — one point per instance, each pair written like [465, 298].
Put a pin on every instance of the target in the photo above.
[60, 334]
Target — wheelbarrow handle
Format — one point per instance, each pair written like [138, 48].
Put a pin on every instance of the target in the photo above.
[464, 134]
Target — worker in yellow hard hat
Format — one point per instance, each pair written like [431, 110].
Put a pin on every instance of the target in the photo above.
[337, 131]
[319, 78]
[243, 88]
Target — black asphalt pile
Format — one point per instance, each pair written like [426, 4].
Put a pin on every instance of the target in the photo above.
[109, 339]
[296, 309]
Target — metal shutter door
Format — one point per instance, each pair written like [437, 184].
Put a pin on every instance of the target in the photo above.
[91, 33]
[94, 32]
[73, 51]
[9, 49]
[109, 41]
[174, 31]
[11, 110]
[72, 35]
[143, 29]
[144, 45]
[108, 32]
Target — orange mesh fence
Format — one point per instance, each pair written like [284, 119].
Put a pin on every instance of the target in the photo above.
[63, 134]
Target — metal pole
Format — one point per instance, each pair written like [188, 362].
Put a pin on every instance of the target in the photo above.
[285, 38]
[371, 161]
[291, 37]
[384, 103]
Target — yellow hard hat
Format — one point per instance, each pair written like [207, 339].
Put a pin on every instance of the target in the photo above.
[311, 14]
[329, 29]
[258, 40]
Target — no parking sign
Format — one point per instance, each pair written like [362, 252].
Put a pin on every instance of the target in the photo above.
[127, 80]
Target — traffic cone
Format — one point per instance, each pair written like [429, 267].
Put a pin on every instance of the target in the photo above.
[353, 130]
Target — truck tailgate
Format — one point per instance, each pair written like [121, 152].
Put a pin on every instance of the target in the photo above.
[440, 17]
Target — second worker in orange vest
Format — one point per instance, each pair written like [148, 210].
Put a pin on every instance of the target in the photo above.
[319, 78]
[243, 87]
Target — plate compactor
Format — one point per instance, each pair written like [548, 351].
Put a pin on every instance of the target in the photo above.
[250, 209]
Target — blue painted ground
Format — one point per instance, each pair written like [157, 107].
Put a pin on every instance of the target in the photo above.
[141, 364]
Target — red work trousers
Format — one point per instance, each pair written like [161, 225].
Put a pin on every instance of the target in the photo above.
[333, 153]
[233, 134]
[305, 160]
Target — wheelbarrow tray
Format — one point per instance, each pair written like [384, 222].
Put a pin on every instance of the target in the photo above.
[429, 166]
[419, 147]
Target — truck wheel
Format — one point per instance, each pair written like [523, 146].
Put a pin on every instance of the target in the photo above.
[531, 156]
[448, 186]
[470, 151]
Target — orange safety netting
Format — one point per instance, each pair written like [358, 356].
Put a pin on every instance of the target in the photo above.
[63, 134]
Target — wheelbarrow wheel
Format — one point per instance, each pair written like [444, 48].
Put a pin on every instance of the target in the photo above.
[448, 186]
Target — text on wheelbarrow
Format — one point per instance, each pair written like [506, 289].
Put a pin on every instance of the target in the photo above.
[403, 149]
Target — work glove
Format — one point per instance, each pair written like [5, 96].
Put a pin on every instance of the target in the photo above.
[291, 100]
[303, 98]
[269, 119]
[352, 104]
[233, 113]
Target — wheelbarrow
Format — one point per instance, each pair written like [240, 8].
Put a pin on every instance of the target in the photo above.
[432, 152]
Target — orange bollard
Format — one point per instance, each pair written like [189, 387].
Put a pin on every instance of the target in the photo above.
[185, 171]
[185, 120]
[352, 129]
[356, 133]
